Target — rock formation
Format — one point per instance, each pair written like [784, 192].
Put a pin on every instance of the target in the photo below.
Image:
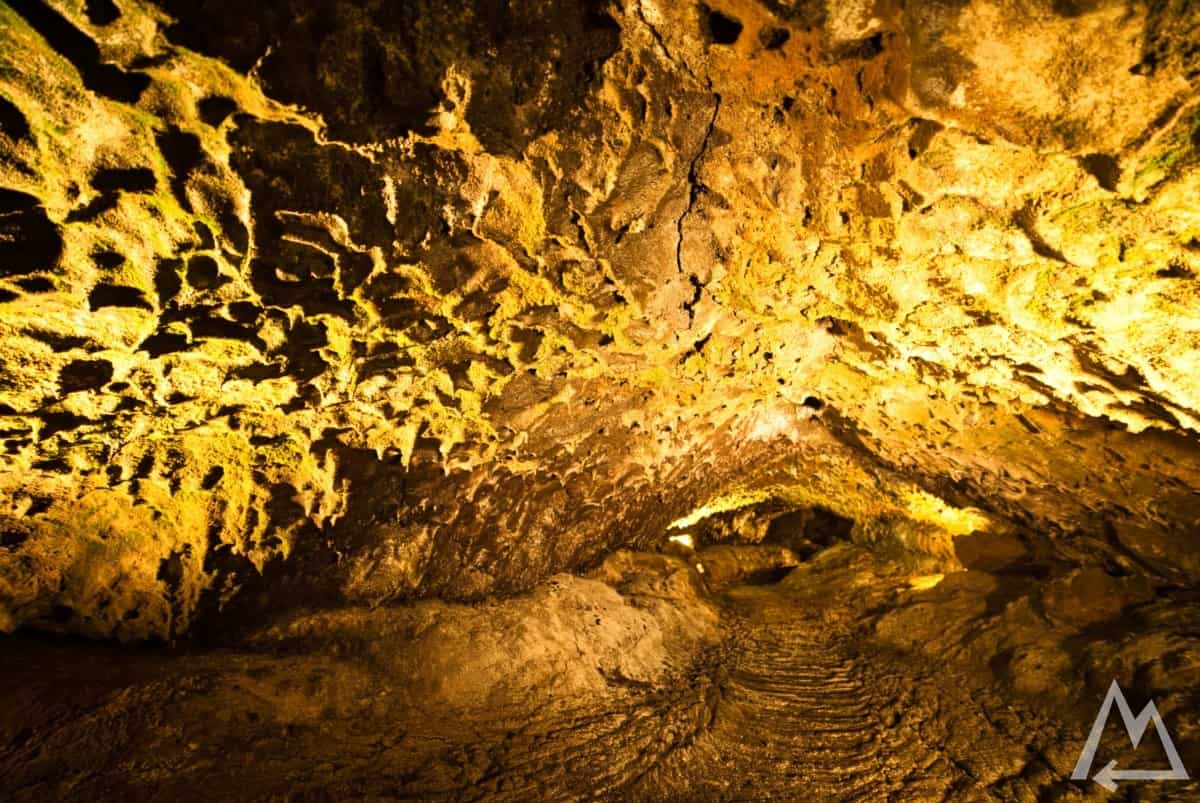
[429, 324]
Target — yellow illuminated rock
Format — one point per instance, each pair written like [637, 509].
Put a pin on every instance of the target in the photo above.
[802, 330]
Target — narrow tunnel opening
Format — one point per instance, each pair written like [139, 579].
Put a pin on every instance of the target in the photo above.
[759, 544]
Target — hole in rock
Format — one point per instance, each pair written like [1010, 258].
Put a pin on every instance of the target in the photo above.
[85, 375]
[202, 272]
[721, 28]
[11, 538]
[773, 38]
[109, 260]
[94, 208]
[184, 154]
[167, 281]
[71, 43]
[1104, 167]
[116, 295]
[214, 109]
[130, 179]
[860, 50]
[102, 12]
[29, 241]
[12, 121]
[161, 343]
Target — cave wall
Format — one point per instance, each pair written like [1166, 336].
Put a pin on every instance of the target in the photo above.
[372, 301]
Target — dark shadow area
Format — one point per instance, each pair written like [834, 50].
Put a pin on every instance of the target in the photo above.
[29, 241]
[103, 79]
[102, 12]
[721, 29]
[12, 122]
[766, 577]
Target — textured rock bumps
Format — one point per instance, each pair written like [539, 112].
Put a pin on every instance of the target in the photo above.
[370, 301]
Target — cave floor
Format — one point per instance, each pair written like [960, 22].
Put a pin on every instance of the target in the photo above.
[804, 713]
[796, 700]
[799, 714]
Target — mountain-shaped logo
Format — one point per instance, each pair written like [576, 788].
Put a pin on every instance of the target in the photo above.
[1136, 728]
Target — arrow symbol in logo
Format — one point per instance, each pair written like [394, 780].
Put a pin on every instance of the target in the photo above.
[1109, 776]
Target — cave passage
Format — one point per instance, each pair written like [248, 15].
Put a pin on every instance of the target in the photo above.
[634, 400]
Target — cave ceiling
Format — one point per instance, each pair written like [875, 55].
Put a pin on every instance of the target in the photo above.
[372, 301]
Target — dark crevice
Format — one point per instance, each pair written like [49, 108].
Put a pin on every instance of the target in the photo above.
[102, 12]
[85, 375]
[58, 341]
[1176, 270]
[765, 577]
[167, 281]
[29, 241]
[36, 284]
[1025, 219]
[694, 182]
[12, 122]
[722, 29]
[697, 292]
[219, 328]
[117, 295]
[772, 38]
[129, 179]
[184, 154]
[161, 343]
[698, 346]
[94, 208]
[55, 422]
[207, 241]
[215, 109]
[170, 574]
[1104, 167]
[103, 79]
[859, 50]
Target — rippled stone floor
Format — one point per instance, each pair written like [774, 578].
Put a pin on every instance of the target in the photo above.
[648, 687]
